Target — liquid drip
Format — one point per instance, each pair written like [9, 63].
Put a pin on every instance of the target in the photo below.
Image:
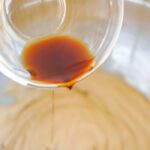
[52, 120]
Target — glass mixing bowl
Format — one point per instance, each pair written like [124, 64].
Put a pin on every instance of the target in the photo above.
[97, 23]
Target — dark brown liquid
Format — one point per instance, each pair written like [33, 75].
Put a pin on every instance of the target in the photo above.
[57, 60]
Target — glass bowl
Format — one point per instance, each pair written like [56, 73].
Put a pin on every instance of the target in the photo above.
[97, 23]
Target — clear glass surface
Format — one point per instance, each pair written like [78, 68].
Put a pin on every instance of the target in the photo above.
[96, 22]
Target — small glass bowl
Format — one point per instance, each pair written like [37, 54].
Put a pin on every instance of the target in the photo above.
[97, 23]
